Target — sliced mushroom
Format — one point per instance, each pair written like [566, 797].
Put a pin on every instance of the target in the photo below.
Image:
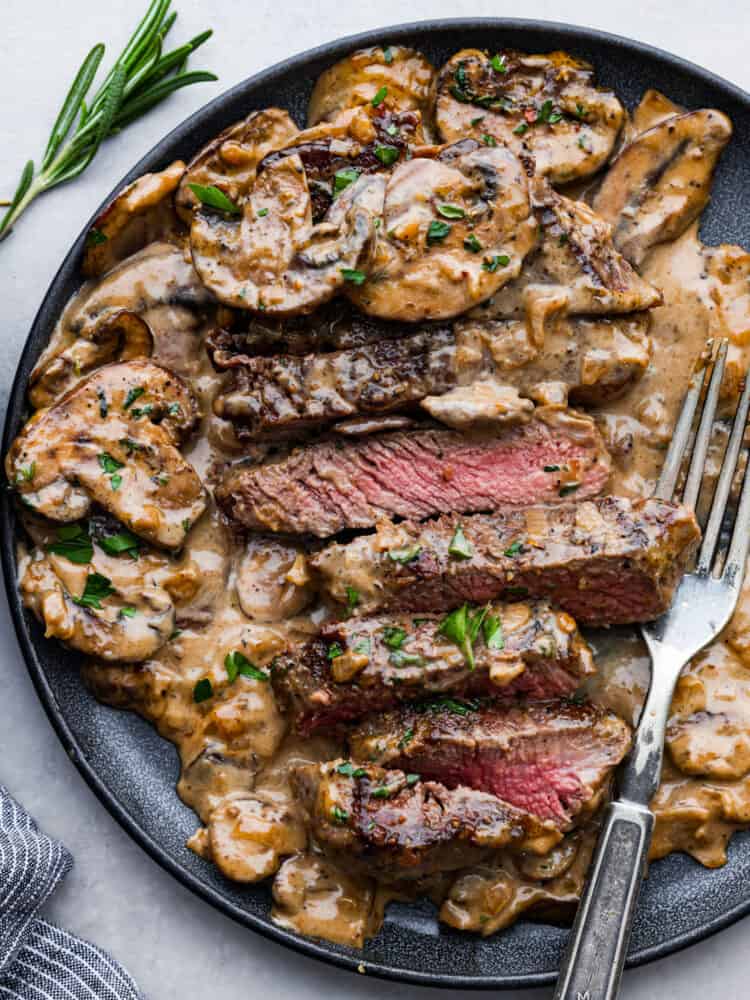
[273, 580]
[141, 213]
[485, 403]
[248, 837]
[456, 227]
[541, 106]
[400, 77]
[120, 336]
[661, 181]
[270, 257]
[229, 161]
[129, 623]
[113, 440]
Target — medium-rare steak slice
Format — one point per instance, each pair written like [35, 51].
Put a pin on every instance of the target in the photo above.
[606, 561]
[553, 759]
[330, 486]
[392, 825]
[367, 665]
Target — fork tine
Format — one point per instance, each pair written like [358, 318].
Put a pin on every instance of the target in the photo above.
[678, 445]
[740, 545]
[724, 485]
[703, 435]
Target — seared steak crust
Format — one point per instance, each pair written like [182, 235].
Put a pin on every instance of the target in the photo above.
[330, 486]
[553, 759]
[605, 561]
[394, 826]
[391, 659]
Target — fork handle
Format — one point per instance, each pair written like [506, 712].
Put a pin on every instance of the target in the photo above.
[594, 961]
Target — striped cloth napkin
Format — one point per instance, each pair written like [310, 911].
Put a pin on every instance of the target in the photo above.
[39, 961]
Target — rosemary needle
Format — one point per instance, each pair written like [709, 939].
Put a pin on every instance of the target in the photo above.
[141, 77]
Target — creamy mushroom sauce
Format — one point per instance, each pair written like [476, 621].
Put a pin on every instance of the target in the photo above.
[254, 597]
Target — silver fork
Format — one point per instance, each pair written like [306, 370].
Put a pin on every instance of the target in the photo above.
[703, 604]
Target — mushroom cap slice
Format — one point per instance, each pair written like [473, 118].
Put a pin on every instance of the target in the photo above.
[406, 75]
[271, 257]
[101, 444]
[230, 160]
[131, 623]
[456, 226]
[540, 106]
[139, 214]
[118, 336]
[661, 181]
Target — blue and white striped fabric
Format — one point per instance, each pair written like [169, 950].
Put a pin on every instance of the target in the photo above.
[39, 961]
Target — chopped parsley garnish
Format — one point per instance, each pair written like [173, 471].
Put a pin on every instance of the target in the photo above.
[343, 178]
[493, 263]
[584, 143]
[132, 395]
[412, 779]
[352, 599]
[478, 120]
[580, 111]
[452, 705]
[96, 237]
[547, 114]
[339, 815]
[388, 55]
[123, 541]
[363, 647]
[384, 791]
[130, 445]
[261, 213]
[492, 629]
[497, 62]
[103, 404]
[334, 650]
[521, 129]
[513, 550]
[127, 612]
[392, 129]
[462, 627]
[26, 473]
[203, 690]
[406, 738]
[142, 411]
[551, 468]
[405, 554]
[350, 771]
[472, 244]
[460, 547]
[394, 636]
[451, 211]
[97, 588]
[351, 274]
[437, 231]
[175, 635]
[213, 197]
[489, 140]
[174, 409]
[237, 665]
[567, 489]
[401, 659]
[386, 154]
[74, 543]
[379, 97]
[115, 482]
[108, 463]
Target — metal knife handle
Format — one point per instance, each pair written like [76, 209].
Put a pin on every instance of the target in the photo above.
[593, 964]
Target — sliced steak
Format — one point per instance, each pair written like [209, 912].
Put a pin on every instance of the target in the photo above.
[606, 561]
[330, 486]
[394, 826]
[553, 759]
[367, 665]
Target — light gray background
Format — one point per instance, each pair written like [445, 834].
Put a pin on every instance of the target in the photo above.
[175, 945]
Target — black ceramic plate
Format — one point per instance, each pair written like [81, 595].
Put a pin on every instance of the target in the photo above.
[133, 771]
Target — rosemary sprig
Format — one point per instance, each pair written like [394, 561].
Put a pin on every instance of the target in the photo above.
[141, 77]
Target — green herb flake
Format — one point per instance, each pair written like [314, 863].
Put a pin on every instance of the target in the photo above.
[122, 542]
[73, 543]
[584, 143]
[108, 463]
[412, 779]
[115, 482]
[394, 636]
[132, 395]
[405, 554]
[363, 647]
[213, 197]
[406, 739]
[567, 489]
[175, 635]
[261, 213]
[491, 264]
[392, 129]
[334, 650]
[96, 237]
[237, 665]
[354, 276]
[492, 630]
[401, 659]
[451, 211]
[203, 690]
[497, 62]
[388, 55]
[489, 140]
[384, 791]
[472, 244]
[551, 468]
[352, 599]
[379, 97]
[97, 588]
[386, 154]
[127, 612]
[548, 114]
[437, 231]
[478, 120]
[343, 178]
[460, 547]
[563, 239]
[174, 409]
[521, 129]
[350, 771]
[512, 551]
[580, 111]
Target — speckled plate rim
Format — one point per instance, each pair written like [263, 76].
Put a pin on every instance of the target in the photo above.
[50, 309]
